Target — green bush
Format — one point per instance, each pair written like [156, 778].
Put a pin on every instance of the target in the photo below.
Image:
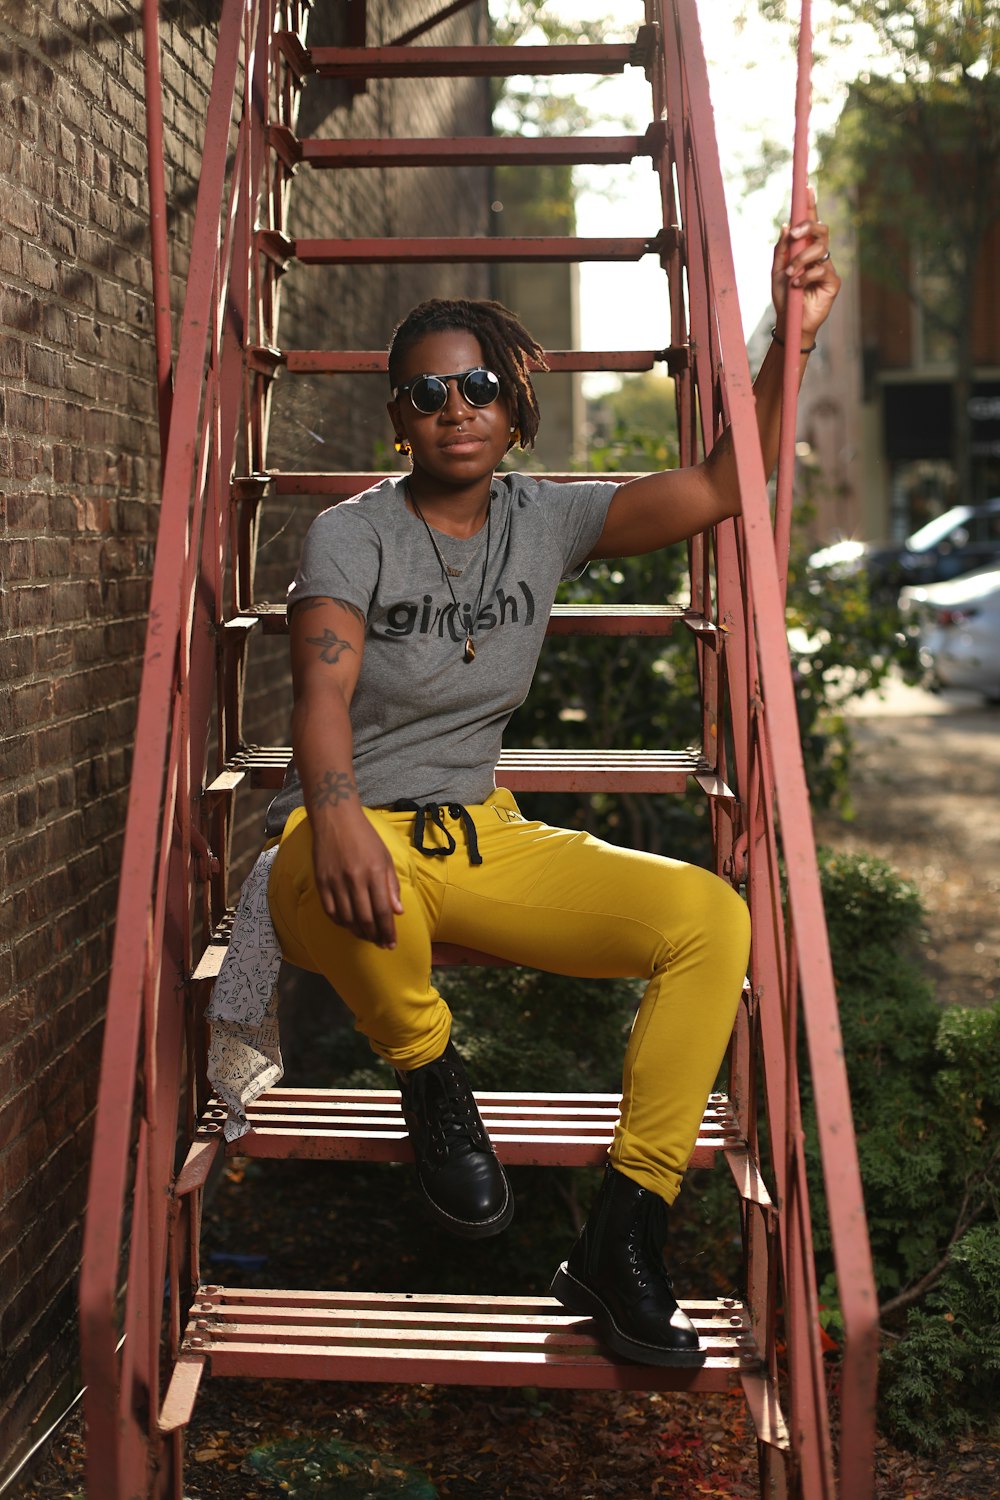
[943, 1377]
[925, 1089]
[844, 641]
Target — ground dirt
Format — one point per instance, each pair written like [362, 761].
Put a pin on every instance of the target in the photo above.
[926, 796]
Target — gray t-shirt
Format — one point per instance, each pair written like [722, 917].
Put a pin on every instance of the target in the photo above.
[427, 724]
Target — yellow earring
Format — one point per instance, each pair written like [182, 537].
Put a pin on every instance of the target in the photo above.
[402, 446]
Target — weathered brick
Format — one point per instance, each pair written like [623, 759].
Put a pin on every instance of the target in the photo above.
[24, 411]
[19, 1112]
[17, 656]
[21, 210]
[105, 211]
[38, 174]
[19, 755]
[15, 560]
[33, 703]
[88, 70]
[44, 366]
[38, 79]
[111, 300]
[67, 602]
[13, 358]
[19, 310]
[26, 511]
[10, 253]
[54, 745]
[39, 267]
[59, 234]
[48, 134]
[65, 419]
[83, 380]
[26, 854]
[30, 607]
[52, 557]
[59, 326]
[29, 459]
[79, 286]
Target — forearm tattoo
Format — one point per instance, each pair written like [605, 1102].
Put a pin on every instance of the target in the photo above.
[331, 647]
[333, 788]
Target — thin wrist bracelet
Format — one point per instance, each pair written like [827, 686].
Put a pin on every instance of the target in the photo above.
[781, 343]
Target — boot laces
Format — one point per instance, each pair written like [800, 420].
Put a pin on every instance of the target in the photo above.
[453, 1127]
[646, 1238]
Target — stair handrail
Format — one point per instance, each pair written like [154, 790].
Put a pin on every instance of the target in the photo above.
[121, 1399]
[782, 800]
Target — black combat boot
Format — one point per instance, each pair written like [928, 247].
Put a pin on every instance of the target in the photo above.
[616, 1275]
[461, 1180]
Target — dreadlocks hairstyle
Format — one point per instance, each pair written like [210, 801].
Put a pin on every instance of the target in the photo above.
[506, 344]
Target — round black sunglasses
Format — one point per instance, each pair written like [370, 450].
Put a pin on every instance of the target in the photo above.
[429, 393]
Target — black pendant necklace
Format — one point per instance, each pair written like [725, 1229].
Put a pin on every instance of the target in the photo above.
[469, 649]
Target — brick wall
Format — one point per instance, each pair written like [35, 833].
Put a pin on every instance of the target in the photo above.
[79, 461]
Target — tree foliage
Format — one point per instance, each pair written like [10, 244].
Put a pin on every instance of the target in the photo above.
[633, 426]
[542, 200]
[543, 105]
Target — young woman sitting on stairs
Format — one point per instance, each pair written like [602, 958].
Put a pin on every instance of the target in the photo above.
[417, 615]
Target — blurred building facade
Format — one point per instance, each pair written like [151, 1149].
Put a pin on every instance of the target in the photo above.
[878, 413]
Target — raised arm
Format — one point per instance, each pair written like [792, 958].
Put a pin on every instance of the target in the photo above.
[659, 509]
[355, 875]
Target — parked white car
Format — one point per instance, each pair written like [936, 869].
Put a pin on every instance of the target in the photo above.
[959, 629]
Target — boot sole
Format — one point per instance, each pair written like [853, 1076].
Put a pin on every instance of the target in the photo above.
[470, 1229]
[578, 1298]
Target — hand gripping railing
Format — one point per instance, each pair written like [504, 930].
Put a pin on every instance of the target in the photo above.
[791, 974]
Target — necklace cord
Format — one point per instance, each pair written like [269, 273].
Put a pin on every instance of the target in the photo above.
[469, 650]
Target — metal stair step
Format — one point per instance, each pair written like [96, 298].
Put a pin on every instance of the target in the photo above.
[465, 151]
[460, 62]
[460, 249]
[565, 619]
[523, 770]
[527, 1129]
[443, 1340]
[344, 484]
[373, 361]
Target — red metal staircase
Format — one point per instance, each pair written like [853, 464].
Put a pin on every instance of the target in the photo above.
[158, 1131]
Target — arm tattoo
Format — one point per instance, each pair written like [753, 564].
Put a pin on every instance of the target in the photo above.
[331, 647]
[352, 609]
[333, 788]
[320, 602]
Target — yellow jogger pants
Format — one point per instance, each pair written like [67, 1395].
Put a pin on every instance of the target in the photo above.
[546, 898]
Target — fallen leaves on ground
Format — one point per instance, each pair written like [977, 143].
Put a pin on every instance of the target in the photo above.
[501, 1445]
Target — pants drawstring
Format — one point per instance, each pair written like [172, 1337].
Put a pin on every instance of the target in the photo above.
[432, 810]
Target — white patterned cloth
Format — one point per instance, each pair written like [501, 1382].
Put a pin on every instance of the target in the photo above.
[244, 1055]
